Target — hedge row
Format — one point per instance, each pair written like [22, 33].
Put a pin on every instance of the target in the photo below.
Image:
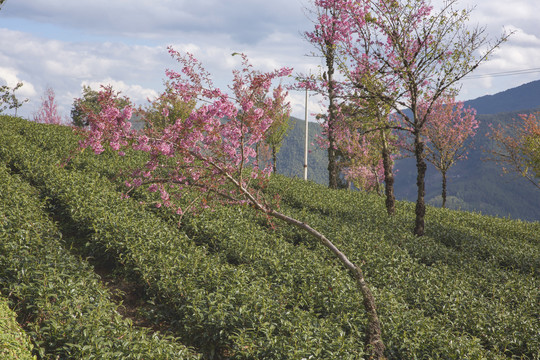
[61, 302]
[222, 308]
[14, 343]
[484, 285]
[468, 289]
[409, 331]
[504, 243]
[468, 286]
[296, 283]
[235, 235]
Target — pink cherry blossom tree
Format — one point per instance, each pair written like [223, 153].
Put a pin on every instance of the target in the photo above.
[404, 53]
[211, 152]
[448, 127]
[328, 31]
[516, 146]
[365, 139]
[48, 112]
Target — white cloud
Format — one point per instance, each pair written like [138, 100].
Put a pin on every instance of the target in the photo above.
[522, 38]
[65, 43]
[135, 92]
[246, 21]
[8, 76]
[315, 105]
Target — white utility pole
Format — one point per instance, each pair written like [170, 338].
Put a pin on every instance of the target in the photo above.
[306, 142]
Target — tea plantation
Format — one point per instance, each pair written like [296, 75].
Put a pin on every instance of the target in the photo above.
[230, 284]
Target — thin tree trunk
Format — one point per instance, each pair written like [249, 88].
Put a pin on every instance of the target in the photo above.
[420, 183]
[257, 155]
[377, 181]
[443, 189]
[332, 166]
[274, 160]
[388, 177]
[374, 344]
[333, 181]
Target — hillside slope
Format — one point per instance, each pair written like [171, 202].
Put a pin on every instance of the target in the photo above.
[523, 97]
[473, 184]
[290, 159]
[231, 285]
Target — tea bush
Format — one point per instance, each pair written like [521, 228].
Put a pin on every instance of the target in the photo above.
[238, 286]
[62, 304]
[219, 307]
[14, 343]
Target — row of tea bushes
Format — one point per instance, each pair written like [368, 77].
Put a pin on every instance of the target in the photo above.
[300, 278]
[302, 267]
[458, 305]
[309, 278]
[14, 343]
[452, 294]
[481, 296]
[308, 275]
[61, 302]
[508, 244]
[224, 309]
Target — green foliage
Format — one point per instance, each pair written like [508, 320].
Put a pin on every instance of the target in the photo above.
[8, 100]
[14, 343]
[438, 274]
[64, 307]
[89, 101]
[277, 132]
[233, 284]
[532, 146]
[214, 299]
[176, 109]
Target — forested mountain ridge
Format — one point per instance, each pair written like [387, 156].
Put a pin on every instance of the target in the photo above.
[473, 184]
[523, 97]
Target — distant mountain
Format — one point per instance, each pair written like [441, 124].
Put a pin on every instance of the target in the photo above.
[474, 184]
[290, 159]
[523, 97]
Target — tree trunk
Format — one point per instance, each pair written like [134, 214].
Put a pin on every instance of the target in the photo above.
[274, 160]
[388, 177]
[443, 189]
[257, 154]
[332, 166]
[333, 173]
[374, 344]
[420, 183]
[377, 181]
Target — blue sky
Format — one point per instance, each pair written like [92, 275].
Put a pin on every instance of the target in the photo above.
[65, 44]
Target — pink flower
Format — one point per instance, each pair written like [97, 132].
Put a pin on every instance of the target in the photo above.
[127, 113]
[164, 194]
[115, 145]
[178, 152]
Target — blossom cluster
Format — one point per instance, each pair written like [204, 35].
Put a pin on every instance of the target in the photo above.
[210, 149]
